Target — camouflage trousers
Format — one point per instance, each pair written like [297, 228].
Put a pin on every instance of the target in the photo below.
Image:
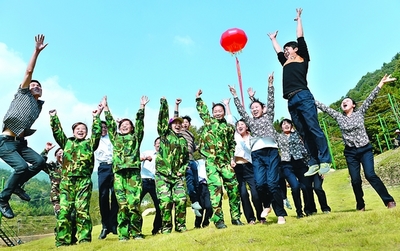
[171, 193]
[127, 188]
[214, 175]
[75, 193]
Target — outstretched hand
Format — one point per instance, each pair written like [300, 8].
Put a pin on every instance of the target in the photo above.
[198, 94]
[49, 146]
[178, 101]
[299, 11]
[53, 112]
[144, 100]
[251, 92]
[271, 79]
[232, 90]
[273, 35]
[386, 79]
[226, 101]
[39, 39]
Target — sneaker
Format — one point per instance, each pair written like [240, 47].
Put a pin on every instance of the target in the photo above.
[252, 222]
[6, 210]
[391, 204]
[324, 168]
[123, 239]
[21, 194]
[196, 206]
[197, 213]
[220, 224]
[312, 170]
[263, 222]
[299, 216]
[281, 220]
[237, 222]
[326, 212]
[265, 212]
[286, 202]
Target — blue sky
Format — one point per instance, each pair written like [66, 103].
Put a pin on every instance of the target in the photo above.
[126, 49]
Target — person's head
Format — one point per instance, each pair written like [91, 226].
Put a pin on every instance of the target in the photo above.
[157, 144]
[290, 49]
[348, 105]
[35, 88]
[241, 127]
[104, 130]
[79, 130]
[126, 126]
[175, 124]
[186, 122]
[286, 125]
[218, 111]
[59, 154]
[257, 108]
[397, 131]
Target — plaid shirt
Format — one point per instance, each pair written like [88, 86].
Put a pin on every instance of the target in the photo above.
[22, 113]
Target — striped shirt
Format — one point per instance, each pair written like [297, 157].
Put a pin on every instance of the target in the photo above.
[22, 113]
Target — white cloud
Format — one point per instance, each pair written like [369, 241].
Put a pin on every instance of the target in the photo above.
[186, 41]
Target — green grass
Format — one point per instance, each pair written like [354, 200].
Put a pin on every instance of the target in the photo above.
[343, 229]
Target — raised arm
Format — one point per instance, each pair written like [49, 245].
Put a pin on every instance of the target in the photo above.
[176, 111]
[229, 117]
[139, 127]
[275, 43]
[299, 30]
[39, 39]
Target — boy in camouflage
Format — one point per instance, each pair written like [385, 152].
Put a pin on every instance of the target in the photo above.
[53, 169]
[171, 163]
[126, 168]
[76, 184]
[218, 146]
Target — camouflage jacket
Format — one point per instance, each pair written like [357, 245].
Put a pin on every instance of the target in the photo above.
[78, 157]
[217, 139]
[173, 156]
[126, 148]
[53, 169]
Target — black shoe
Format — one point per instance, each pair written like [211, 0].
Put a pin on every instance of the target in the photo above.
[114, 230]
[237, 222]
[21, 194]
[220, 224]
[299, 216]
[6, 210]
[197, 226]
[155, 232]
[103, 234]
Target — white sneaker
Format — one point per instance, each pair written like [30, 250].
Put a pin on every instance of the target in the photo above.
[196, 206]
[281, 220]
[265, 212]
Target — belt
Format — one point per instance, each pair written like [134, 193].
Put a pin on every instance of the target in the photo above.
[147, 179]
[106, 163]
[12, 138]
[291, 94]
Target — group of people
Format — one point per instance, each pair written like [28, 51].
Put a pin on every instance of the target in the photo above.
[247, 152]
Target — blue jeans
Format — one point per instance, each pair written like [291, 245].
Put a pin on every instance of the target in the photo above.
[17, 154]
[304, 115]
[293, 172]
[108, 208]
[245, 176]
[355, 156]
[192, 181]
[266, 175]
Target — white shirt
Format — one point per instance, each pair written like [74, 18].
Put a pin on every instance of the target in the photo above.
[201, 169]
[242, 148]
[148, 169]
[104, 152]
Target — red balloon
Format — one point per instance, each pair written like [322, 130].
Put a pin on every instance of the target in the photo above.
[233, 40]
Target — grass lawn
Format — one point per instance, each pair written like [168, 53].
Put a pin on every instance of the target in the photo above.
[343, 229]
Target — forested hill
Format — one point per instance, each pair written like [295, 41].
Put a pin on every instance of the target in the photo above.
[382, 118]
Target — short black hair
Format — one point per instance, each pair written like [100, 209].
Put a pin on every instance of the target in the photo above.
[287, 120]
[78, 123]
[158, 138]
[58, 149]
[130, 122]
[36, 81]
[189, 119]
[256, 101]
[242, 120]
[292, 44]
[218, 104]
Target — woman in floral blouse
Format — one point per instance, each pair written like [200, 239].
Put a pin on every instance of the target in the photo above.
[358, 149]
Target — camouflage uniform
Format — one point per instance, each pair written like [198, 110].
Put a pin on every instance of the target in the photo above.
[127, 179]
[218, 146]
[172, 158]
[53, 169]
[76, 184]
